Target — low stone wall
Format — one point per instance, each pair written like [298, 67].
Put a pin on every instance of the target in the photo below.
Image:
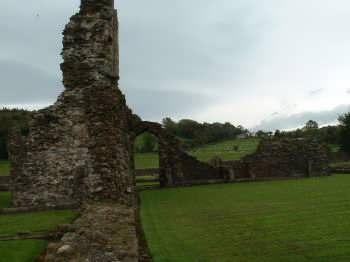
[195, 172]
[176, 167]
[19, 210]
[274, 159]
[282, 158]
[5, 183]
[147, 172]
[339, 170]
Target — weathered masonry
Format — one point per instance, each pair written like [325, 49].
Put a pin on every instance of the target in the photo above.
[282, 158]
[78, 149]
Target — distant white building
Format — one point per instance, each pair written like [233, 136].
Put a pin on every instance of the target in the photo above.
[242, 136]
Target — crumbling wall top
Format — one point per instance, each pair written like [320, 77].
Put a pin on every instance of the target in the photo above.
[90, 6]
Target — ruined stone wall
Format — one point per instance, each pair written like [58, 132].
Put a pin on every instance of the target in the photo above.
[78, 149]
[176, 167]
[283, 158]
[105, 232]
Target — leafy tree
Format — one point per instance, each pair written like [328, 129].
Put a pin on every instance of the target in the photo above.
[192, 133]
[8, 119]
[169, 125]
[277, 133]
[263, 134]
[311, 124]
[344, 136]
[146, 143]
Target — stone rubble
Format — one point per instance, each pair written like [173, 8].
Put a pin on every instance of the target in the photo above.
[104, 232]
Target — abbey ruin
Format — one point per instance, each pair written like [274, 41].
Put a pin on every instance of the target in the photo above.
[80, 150]
[81, 147]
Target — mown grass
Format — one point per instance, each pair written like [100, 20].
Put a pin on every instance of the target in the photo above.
[146, 160]
[5, 199]
[34, 222]
[225, 150]
[4, 168]
[296, 220]
[21, 250]
[334, 148]
[27, 250]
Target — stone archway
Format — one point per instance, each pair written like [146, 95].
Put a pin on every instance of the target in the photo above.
[176, 167]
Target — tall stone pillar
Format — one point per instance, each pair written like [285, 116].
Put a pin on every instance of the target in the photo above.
[79, 148]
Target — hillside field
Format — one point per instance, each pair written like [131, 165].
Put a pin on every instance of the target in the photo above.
[225, 150]
[294, 220]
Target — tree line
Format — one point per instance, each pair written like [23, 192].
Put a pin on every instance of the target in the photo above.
[12, 118]
[190, 133]
[338, 135]
[193, 134]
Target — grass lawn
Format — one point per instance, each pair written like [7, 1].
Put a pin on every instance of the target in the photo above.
[4, 168]
[334, 148]
[27, 250]
[146, 160]
[5, 200]
[295, 220]
[21, 251]
[34, 222]
[225, 150]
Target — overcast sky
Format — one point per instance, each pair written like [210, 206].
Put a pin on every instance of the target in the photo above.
[264, 64]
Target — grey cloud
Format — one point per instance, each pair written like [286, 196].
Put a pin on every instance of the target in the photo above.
[24, 84]
[348, 91]
[157, 104]
[180, 44]
[298, 120]
[190, 54]
[316, 91]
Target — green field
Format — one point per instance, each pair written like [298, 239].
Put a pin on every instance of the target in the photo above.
[21, 250]
[146, 160]
[27, 250]
[295, 220]
[334, 148]
[4, 199]
[4, 168]
[34, 222]
[225, 150]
